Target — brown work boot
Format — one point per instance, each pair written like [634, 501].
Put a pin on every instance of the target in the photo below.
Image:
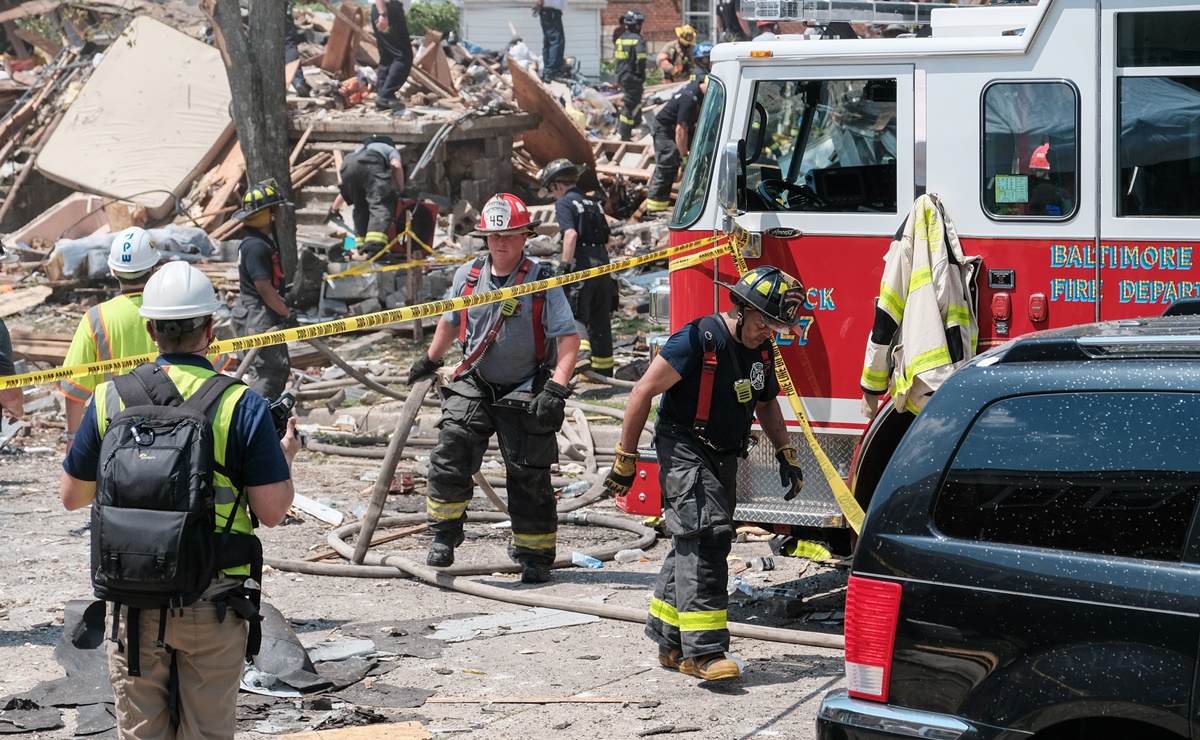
[670, 658]
[711, 667]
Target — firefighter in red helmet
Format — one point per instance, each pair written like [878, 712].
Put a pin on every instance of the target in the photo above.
[518, 356]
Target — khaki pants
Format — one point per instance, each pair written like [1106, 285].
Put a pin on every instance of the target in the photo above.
[210, 656]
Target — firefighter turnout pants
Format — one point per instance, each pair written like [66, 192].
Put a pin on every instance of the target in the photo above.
[593, 302]
[209, 656]
[666, 167]
[470, 416]
[688, 610]
[631, 105]
[271, 367]
[367, 185]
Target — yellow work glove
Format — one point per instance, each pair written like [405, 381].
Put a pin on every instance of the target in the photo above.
[620, 478]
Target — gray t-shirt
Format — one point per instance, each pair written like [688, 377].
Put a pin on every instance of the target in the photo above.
[512, 359]
[389, 152]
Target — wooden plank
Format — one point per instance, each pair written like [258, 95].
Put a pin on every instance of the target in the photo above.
[367, 37]
[556, 136]
[28, 8]
[432, 60]
[229, 175]
[630, 172]
[303, 140]
[394, 731]
[23, 298]
[338, 59]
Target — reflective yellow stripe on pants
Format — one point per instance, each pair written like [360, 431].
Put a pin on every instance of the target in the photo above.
[445, 511]
[662, 610]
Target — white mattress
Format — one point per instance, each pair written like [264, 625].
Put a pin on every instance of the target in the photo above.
[151, 117]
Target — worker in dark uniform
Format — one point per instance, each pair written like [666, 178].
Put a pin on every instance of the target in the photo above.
[630, 67]
[715, 374]
[519, 356]
[674, 127]
[395, 52]
[372, 178]
[292, 39]
[729, 21]
[259, 306]
[584, 229]
[701, 59]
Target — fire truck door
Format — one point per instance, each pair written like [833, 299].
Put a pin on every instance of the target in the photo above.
[1150, 88]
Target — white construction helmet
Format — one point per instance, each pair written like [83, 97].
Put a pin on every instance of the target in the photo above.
[132, 253]
[178, 291]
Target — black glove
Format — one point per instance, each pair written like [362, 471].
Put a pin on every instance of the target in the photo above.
[550, 406]
[620, 478]
[423, 368]
[536, 10]
[291, 321]
[791, 476]
[332, 215]
[565, 268]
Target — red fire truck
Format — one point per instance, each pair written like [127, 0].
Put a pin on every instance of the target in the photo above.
[1063, 138]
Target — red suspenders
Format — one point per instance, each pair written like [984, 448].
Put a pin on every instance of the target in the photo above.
[539, 329]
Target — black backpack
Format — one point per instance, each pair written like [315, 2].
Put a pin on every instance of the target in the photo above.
[154, 539]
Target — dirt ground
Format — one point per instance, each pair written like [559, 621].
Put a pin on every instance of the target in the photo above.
[45, 561]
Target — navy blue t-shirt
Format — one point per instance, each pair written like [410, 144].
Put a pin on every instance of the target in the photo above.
[728, 422]
[252, 451]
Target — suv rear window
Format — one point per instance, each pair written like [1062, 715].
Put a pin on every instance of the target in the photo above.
[1104, 473]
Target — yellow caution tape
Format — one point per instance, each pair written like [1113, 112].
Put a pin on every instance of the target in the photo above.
[435, 262]
[694, 259]
[356, 323]
[849, 506]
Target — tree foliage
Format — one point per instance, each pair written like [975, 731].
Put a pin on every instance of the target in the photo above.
[432, 16]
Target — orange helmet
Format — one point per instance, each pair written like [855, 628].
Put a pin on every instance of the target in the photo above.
[1039, 161]
[504, 213]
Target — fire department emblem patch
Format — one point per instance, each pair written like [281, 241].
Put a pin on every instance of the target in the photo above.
[757, 378]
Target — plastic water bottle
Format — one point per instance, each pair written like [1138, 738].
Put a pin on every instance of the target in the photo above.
[578, 488]
[629, 556]
[585, 561]
[760, 564]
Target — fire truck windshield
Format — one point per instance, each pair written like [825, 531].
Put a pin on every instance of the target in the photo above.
[827, 145]
[693, 190]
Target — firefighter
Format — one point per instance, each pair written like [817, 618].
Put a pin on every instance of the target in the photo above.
[395, 52]
[372, 178]
[701, 61]
[1046, 197]
[767, 31]
[673, 129]
[675, 60]
[584, 229]
[112, 329]
[519, 356]
[715, 374]
[630, 57]
[729, 21]
[259, 306]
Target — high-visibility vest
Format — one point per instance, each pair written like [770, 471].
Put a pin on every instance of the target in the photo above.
[188, 380]
[109, 331]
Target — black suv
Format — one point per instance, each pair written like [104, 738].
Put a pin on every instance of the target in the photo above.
[1030, 563]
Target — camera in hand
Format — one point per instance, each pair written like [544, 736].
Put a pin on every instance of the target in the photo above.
[281, 411]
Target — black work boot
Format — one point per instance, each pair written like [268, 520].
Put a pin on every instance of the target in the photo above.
[441, 552]
[535, 572]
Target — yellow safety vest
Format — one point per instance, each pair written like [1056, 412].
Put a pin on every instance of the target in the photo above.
[187, 380]
[109, 331]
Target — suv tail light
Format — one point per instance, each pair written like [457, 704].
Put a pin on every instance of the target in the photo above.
[872, 611]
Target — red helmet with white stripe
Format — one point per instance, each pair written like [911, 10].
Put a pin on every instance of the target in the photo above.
[505, 213]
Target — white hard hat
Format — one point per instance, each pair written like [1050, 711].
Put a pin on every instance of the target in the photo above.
[178, 291]
[132, 252]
